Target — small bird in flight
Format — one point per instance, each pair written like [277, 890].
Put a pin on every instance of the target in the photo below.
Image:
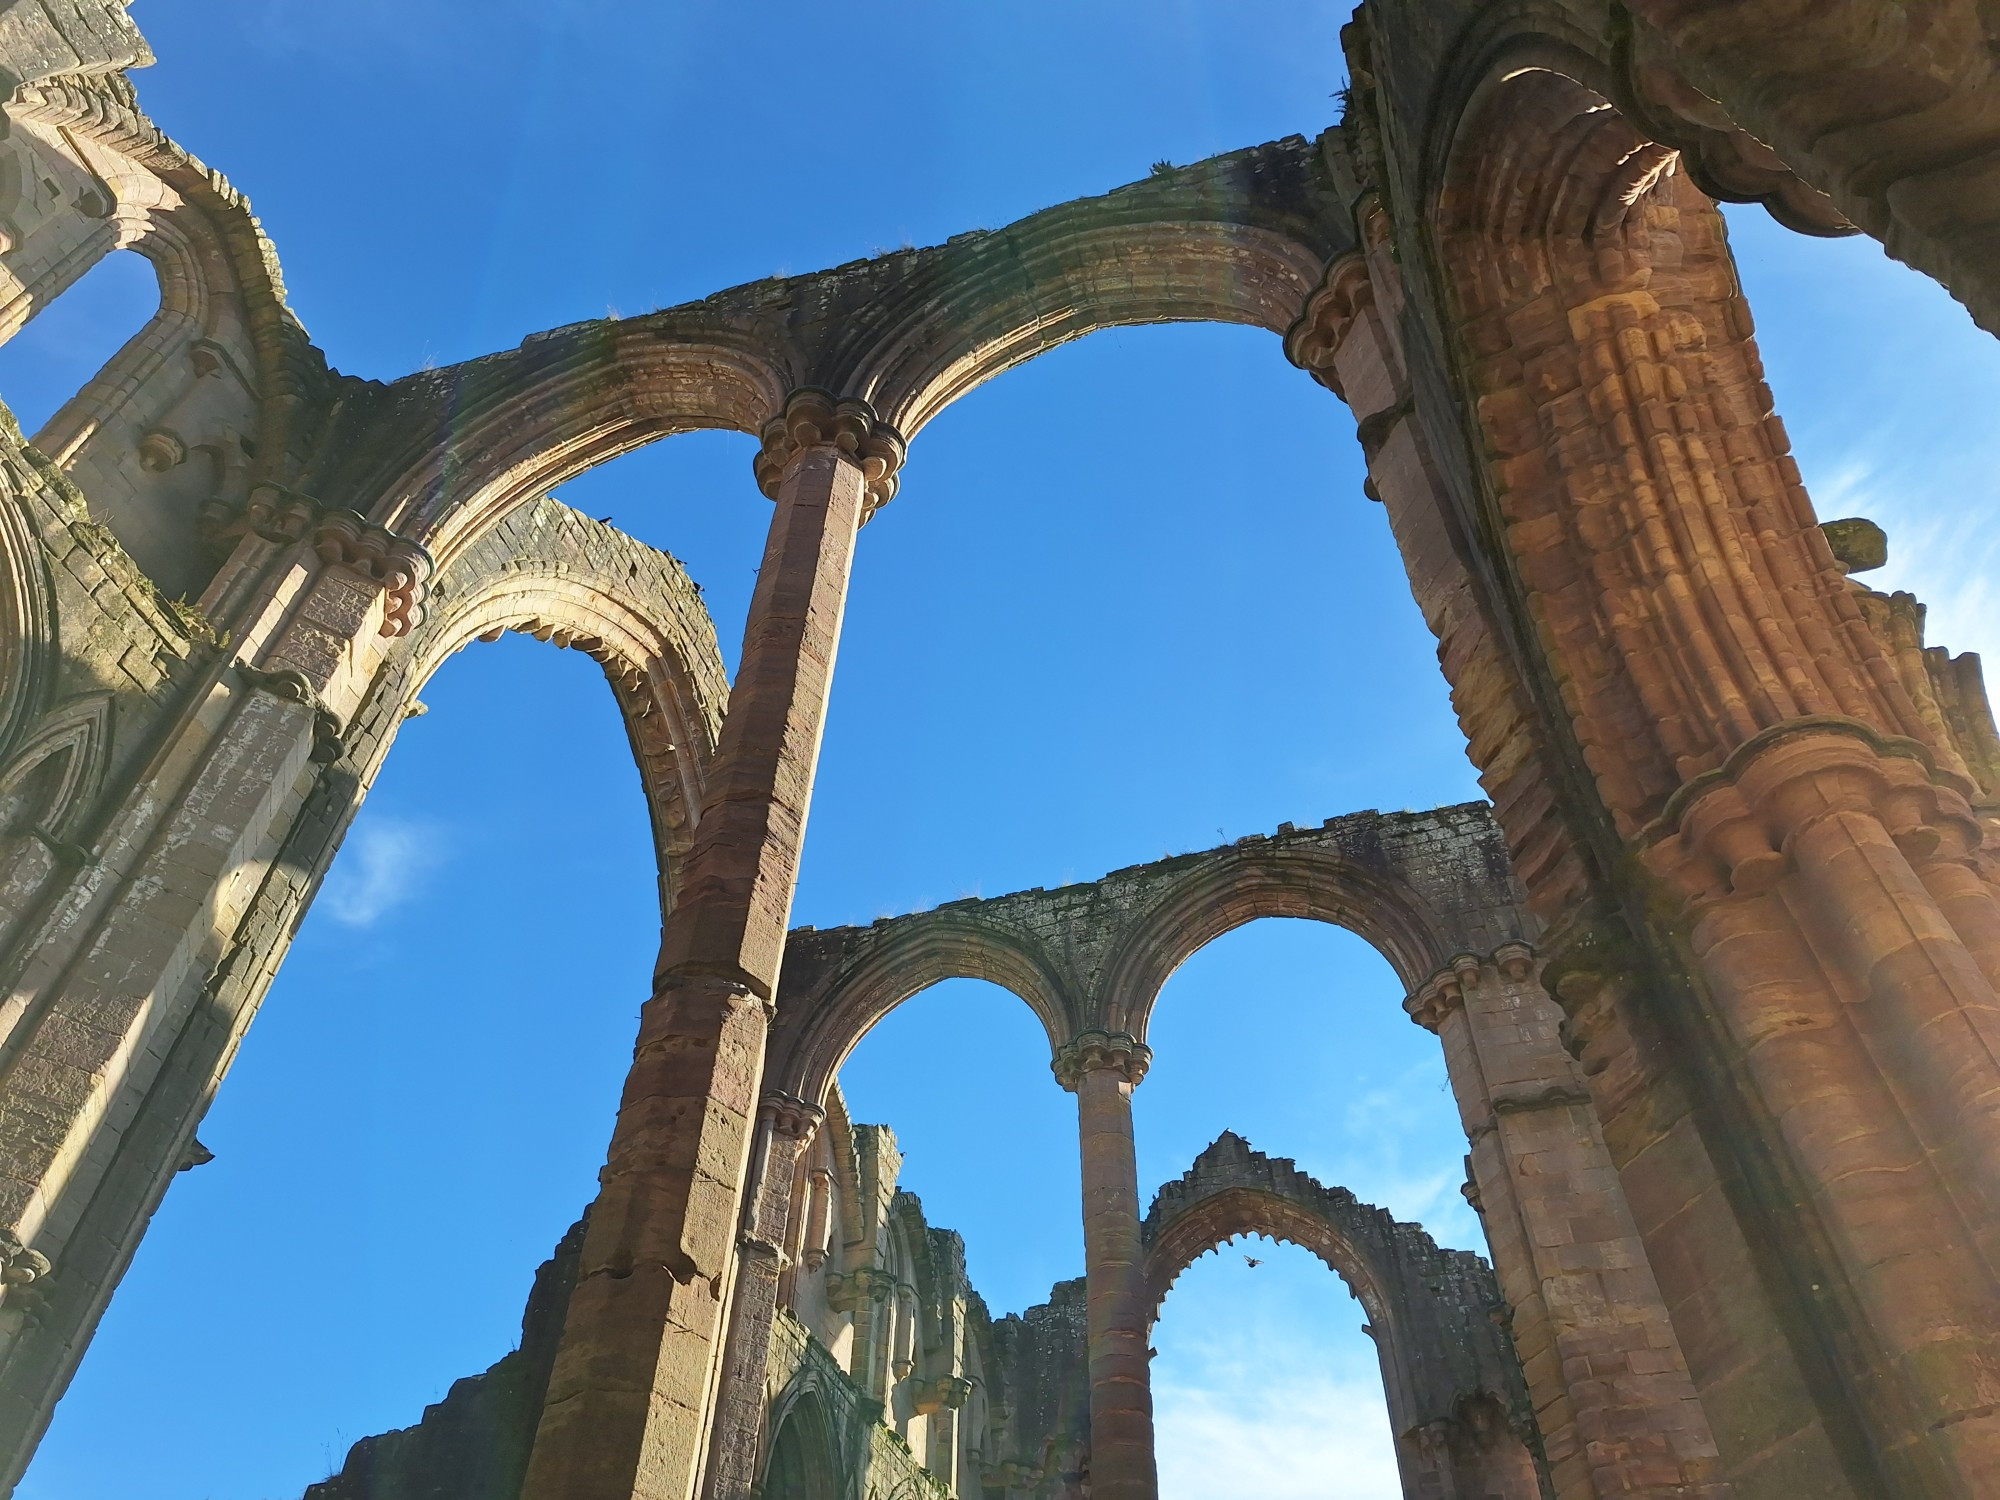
[1252, 1262]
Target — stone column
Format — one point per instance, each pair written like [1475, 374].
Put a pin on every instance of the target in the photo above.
[1617, 1408]
[1101, 1069]
[785, 1127]
[938, 1402]
[625, 1416]
[866, 1292]
[819, 1207]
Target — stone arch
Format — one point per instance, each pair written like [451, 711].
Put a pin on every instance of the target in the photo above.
[566, 401]
[1620, 62]
[551, 572]
[1697, 647]
[152, 183]
[804, 1462]
[208, 389]
[545, 567]
[837, 984]
[1618, 232]
[1240, 239]
[1239, 886]
[29, 654]
[1436, 1316]
[68, 752]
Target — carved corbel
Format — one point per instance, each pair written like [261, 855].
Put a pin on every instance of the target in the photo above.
[816, 418]
[339, 538]
[1314, 339]
[20, 1267]
[1587, 970]
[270, 511]
[162, 449]
[946, 1393]
[790, 1117]
[1469, 1189]
[1434, 999]
[859, 1289]
[1444, 992]
[294, 687]
[1515, 960]
[1120, 1051]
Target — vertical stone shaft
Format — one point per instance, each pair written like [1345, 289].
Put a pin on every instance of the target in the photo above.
[1618, 1411]
[1103, 1069]
[819, 1208]
[625, 1415]
[785, 1126]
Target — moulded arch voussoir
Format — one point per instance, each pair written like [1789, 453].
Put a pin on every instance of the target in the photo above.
[1502, 43]
[838, 984]
[470, 443]
[1240, 886]
[549, 571]
[1430, 1309]
[1236, 1211]
[1243, 238]
[1023, 305]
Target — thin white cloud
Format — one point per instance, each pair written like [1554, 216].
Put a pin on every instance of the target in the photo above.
[1942, 544]
[1265, 1386]
[1312, 1439]
[384, 861]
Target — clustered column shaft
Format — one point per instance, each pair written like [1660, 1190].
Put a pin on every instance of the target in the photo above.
[1618, 1411]
[1102, 1069]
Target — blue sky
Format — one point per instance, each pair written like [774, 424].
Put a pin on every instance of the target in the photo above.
[1129, 602]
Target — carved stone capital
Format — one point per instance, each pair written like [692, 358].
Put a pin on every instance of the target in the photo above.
[398, 564]
[1091, 1050]
[340, 538]
[1444, 992]
[791, 1118]
[1433, 1000]
[1311, 343]
[814, 418]
[1730, 831]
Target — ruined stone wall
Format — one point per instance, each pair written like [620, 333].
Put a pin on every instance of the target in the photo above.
[1437, 1316]
[865, 1351]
